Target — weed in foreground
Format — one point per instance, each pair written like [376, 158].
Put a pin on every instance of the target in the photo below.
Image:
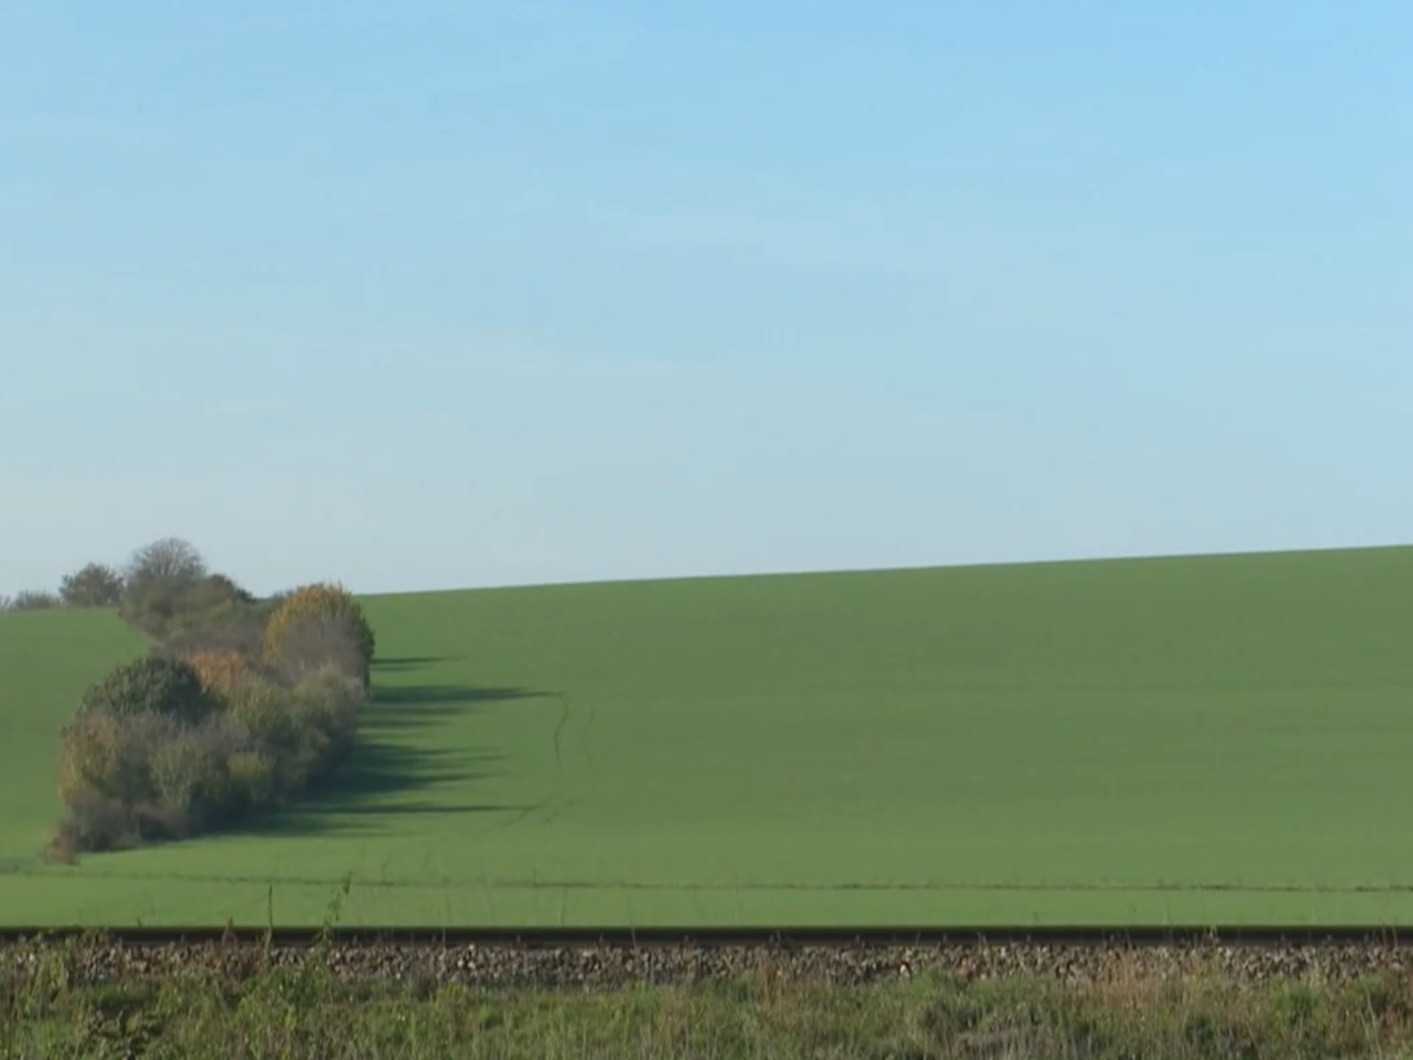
[51, 1008]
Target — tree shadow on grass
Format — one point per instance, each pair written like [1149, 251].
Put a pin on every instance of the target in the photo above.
[398, 663]
[382, 769]
[413, 706]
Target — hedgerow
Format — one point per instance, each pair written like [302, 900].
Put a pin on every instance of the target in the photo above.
[32, 600]
[94, 585]
[242, 706]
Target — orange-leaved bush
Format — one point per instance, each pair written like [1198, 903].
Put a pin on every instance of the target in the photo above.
[319, 626]
[220, 672]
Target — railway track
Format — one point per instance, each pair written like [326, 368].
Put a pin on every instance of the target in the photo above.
[1091, 937]
[595, 958]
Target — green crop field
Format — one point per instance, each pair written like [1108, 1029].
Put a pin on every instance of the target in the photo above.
[1221, 739]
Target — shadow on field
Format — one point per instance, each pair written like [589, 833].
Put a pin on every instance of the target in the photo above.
[406, 662]
[411, 706]
[383, 770]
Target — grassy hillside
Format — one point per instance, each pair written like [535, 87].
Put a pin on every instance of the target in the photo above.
[1174, 740]
[47, 659]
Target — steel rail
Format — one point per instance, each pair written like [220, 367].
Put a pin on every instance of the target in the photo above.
[1090, 936]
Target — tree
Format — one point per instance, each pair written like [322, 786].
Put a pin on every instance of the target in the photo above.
[95, 585]
[159, 576]
[33, 600]
[212, 614]
[170, 560]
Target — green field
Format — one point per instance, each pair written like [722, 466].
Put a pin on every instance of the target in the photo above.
[1162, 741]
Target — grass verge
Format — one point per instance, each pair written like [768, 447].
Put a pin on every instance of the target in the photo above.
[50, 1009]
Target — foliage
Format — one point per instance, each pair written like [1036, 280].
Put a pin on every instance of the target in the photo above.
[137, 777]
[234, 1003]
[94, 757]
[212, 599]
[163, 686]
[159, 578]
[170, 560]
[171, 596]
[94, 585]
[221, 673]
[215, 614]
[316, 627]
[202, 733]
[324, 707]
[93, 821]
[108, 783]
[33, 600]
[252, 776]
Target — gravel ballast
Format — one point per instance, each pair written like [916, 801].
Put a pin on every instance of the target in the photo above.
[610, 966]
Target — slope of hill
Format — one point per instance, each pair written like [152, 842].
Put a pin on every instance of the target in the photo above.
[1172, 740]
[47, 659]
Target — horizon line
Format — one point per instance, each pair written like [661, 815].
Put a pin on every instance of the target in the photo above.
[902, 569]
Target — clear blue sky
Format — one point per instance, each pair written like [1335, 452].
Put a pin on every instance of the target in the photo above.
[427, 295]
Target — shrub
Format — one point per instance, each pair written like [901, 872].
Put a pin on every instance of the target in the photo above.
[33, 600]
[261, 708]
[328, 700]
[212, 606]
[316, 627]
[252, 779]
[91, 758]
[324, 712]
[186, 774]
[241, 632]
[190, 777]
[167, 778]
[92, 586]
[220, 672]
[112, 755]
[162, 686]
[94, 822]
[132, 772]
[301, 732]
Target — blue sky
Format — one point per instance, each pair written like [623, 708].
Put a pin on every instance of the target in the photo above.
[429, 295]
